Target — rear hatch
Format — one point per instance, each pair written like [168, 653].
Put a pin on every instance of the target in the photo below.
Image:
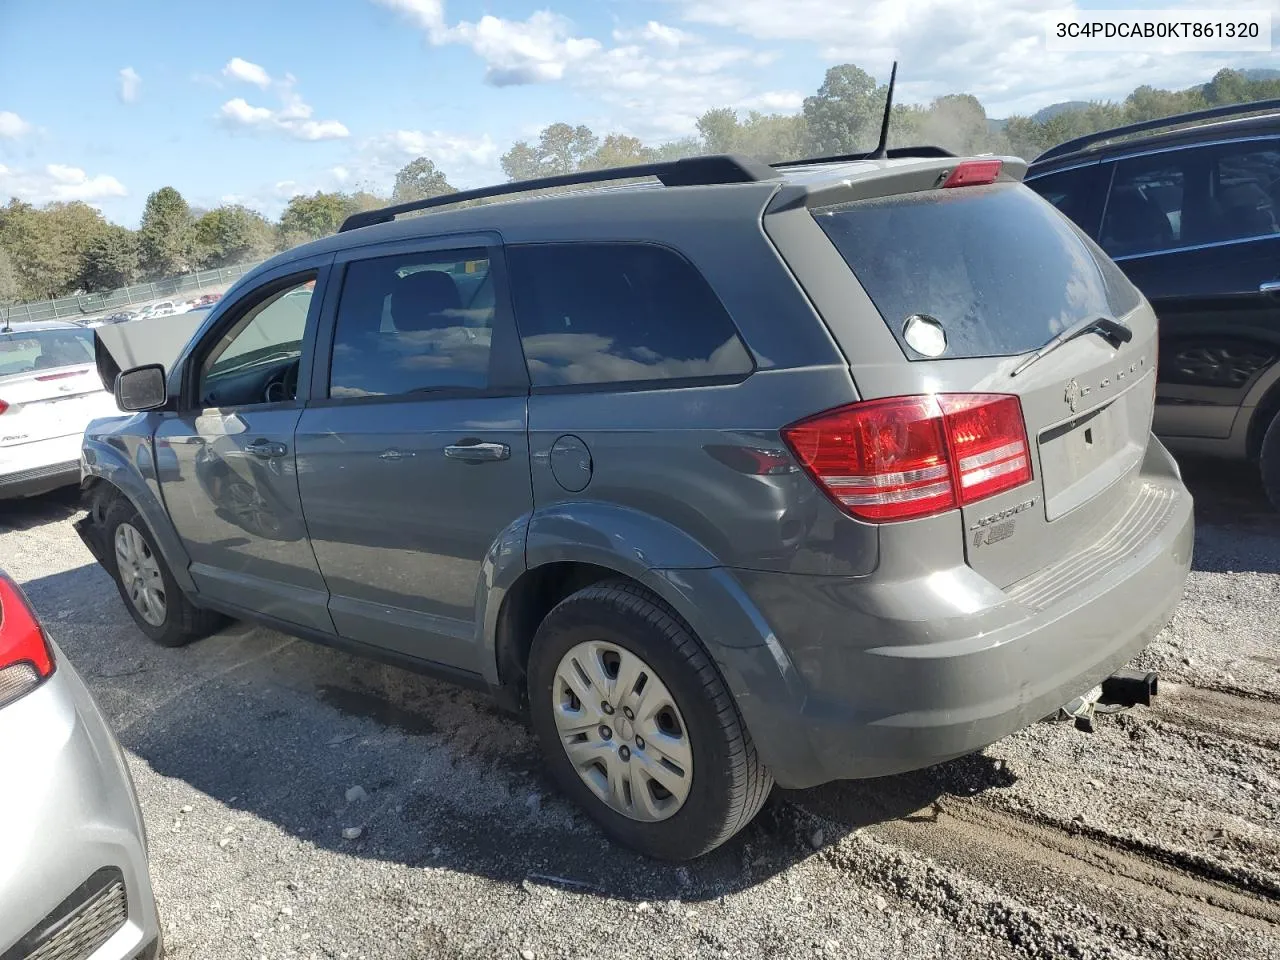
[993, 274]
[49, 385]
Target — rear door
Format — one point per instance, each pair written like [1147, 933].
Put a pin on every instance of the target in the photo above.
[1000, 272]
[226, 458]
[1198, 230]
[413, 458]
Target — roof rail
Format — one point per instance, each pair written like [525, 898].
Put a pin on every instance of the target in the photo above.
[894, 153]
[691, 171]
[1230, 110]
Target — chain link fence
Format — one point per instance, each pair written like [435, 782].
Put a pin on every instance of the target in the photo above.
[90, 304]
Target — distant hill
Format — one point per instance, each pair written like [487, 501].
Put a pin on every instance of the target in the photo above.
[1051, 111]
[1261, 73]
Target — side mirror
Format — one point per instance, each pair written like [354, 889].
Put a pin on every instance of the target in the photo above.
[142, 388]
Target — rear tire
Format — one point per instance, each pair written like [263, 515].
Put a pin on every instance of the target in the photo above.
[146, 584]
[1269, 462]
[727, 784]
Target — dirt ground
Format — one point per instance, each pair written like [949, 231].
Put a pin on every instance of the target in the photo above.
[1156, 836]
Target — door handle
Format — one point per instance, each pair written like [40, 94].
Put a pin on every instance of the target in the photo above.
[266, 449]
[477, 452]
[1271, 286]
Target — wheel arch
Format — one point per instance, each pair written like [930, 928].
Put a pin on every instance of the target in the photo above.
[108, 471]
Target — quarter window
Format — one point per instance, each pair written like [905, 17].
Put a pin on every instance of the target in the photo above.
[414, 324]
[600, 313]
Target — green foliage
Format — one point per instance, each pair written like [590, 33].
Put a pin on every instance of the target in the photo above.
[560, 149]
[308, 218]
[844, 115]
[166, 239]
[9, 290]
[233, 234]
[111, 259]
[420, 180]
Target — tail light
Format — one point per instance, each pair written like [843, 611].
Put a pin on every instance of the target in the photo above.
[57, 376]
[908, 457]
[3, 406]
[25, 656]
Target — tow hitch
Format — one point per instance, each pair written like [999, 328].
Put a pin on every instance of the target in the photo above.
[1121, 690]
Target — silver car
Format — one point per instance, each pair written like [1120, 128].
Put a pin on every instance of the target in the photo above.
[73, 853]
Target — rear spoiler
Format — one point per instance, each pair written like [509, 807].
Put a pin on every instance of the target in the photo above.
[122, 346]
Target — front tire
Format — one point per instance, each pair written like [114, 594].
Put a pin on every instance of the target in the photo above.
[146, 584]
[637, 726]
[1269, 462]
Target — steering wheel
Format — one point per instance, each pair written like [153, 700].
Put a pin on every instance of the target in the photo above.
[283, 386]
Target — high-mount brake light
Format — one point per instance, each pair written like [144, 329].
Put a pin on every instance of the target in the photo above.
[973, 173]
[25, 656]
[908, 457]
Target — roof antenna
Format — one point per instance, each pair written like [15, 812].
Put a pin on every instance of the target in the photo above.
[882, 149]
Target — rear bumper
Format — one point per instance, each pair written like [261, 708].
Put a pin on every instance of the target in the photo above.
[38, 480]
[73, 816]
[30, 469]
[851, 687]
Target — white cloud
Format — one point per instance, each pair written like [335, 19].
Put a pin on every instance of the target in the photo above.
[246, 72]
[292, 119]
[656, 79]
[467, 161]
[130, 85]
[13, 126]
[775, 101]
[994, 49]
[58, 182]
[655, 32]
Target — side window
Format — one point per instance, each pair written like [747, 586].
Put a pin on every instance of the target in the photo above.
[256, 359]
[1075, 193]
[592, 313]
[1244, 187]
[413, 323]
[1144, 211]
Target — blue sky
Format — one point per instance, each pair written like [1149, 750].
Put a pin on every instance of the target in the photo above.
[254, 100]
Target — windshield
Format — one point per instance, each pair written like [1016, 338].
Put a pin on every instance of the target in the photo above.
[996, 266]
[28, 351]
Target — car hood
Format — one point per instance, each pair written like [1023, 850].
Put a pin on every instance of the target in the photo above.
[123, 346]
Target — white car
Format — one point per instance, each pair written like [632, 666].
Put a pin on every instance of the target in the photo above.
[49, 391]
[165, 308]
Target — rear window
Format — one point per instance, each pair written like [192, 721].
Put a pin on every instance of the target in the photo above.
[996, 266]
[44, 349]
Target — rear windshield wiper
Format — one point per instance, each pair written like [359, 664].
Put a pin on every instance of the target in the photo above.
[1113, 331]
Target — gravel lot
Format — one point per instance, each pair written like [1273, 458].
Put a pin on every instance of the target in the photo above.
[1156, 836]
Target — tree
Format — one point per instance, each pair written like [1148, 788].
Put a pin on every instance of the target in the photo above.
[618, 150]
[9, 290]
[165, 237]
[308, 218]
[419, 180]
[1149, 103]
[111, 260]
[1227, 86]
[233, 234]
[718, 129]
[843, 117]
[561, 148]
[957, 122]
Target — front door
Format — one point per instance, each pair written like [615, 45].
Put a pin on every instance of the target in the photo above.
[226, 460]
[413, 460]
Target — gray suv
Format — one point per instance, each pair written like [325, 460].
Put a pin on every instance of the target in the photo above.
[730, 475]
